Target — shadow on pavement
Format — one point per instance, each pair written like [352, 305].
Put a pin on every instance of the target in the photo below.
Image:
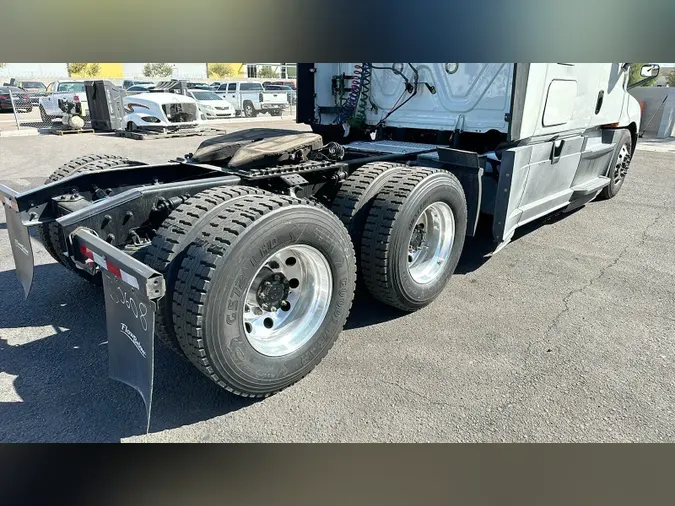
[477, 249]
[61, 380]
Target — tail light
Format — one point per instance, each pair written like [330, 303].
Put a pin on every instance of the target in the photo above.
[76, 98]
[261, 97]
[4, 96]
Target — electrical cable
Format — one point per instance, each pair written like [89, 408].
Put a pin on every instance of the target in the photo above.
[396, 106]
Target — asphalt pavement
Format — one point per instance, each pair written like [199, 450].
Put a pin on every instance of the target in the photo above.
[567, 334]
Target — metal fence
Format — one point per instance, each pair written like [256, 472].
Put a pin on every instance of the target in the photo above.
[25, 110]
[28, 110]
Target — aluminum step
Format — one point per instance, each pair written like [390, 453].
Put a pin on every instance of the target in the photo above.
[589, 187]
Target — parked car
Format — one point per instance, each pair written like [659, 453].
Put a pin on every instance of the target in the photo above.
[251, 99]
[18, 101]
[139, 88]
[62, 90]
[128, 83]
[36, 89]
[285, 83]
[290, 93]
[160, 111]
[212, 105]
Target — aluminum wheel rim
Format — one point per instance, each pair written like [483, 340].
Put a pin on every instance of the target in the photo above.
[621, 167]
[430, 242]
[280, 329]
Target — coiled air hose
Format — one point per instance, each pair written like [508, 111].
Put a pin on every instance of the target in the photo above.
[358, 96]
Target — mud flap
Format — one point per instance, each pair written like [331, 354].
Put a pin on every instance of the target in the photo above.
[19, 239]
[130, 321]
[130, 288]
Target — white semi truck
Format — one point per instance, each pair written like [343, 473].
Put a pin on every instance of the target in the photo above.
[243, 256]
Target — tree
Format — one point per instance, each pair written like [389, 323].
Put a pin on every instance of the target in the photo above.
[157, 70]
[76, 68]
[267, 71]
[2, 65]
[291, 72]
[221, 70]
[84, 69]
[670, 78]
[93, 69]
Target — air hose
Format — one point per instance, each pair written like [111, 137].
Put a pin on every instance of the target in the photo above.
[358, 96]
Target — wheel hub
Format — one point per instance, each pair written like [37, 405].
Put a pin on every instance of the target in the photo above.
[431, 243]
[622, 163]
[288, 300]
[272, 292]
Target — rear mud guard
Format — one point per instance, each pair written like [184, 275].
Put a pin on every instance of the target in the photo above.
[19, 239]
[130, 288]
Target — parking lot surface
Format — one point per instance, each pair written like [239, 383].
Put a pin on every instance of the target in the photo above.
[567, 334]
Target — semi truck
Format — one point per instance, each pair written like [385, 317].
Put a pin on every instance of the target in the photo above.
[243, 257]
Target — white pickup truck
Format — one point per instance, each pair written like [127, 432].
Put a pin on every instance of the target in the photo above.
[251, 99]
[60, 90]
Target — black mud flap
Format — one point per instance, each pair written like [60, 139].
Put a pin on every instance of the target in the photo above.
[19, 240]
[130, 288]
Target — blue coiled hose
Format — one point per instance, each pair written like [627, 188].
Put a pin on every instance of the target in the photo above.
[359, 90]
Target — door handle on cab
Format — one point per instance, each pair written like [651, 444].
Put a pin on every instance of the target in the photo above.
[556, 150]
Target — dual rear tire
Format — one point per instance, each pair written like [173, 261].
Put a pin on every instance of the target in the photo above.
[260, 293]
[259, 286]
[408, 225]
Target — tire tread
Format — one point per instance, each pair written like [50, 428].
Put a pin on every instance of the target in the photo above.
[203, 257]
[170, 241]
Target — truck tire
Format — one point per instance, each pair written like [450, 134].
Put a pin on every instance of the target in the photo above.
[619, 167]
[249, 110]
[413, 237]
[67, 169]
[262, 297]
[168, 247]
[355, 197]
[49, 234]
